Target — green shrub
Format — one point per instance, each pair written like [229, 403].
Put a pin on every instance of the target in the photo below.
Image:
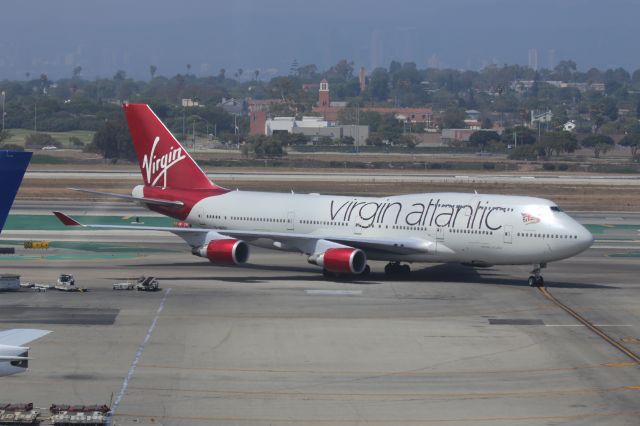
[12, 147]
[76, 142]
[39, 140]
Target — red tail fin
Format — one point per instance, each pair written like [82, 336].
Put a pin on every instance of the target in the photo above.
[163, 161]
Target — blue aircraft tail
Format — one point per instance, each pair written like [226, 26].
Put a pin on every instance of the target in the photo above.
[13, 164]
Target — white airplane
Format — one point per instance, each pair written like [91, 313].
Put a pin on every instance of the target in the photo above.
[14, 356]
[340, 233]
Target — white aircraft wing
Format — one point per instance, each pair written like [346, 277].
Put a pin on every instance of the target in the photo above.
[21, 336]
[380, 245]
[396, 246]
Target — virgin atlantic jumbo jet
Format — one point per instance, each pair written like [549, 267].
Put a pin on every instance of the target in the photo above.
[341, 233]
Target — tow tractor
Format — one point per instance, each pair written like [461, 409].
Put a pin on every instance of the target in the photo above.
[66, 282]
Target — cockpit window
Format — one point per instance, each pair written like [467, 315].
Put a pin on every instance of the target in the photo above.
[555, 209]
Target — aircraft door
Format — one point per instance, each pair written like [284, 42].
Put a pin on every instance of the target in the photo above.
[200, 216]
[439, 233]
[508, 234]
[291, 220]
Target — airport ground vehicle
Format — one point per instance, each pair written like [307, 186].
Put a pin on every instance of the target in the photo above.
[66, 282]
[124, 285]
[141, 284]
[147, 284]
[341, 233]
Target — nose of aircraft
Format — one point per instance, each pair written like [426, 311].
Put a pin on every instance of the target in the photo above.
[585, 238]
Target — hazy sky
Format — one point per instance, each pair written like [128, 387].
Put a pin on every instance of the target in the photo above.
[53, 37]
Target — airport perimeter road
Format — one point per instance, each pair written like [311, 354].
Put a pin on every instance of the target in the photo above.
[275, 344]
[378, 176]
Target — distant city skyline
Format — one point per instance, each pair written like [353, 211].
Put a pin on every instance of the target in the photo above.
[40, 36]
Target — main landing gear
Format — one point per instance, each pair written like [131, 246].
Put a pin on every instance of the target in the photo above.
[536, 279]
[395, 268]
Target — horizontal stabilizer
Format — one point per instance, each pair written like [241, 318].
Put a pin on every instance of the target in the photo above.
[153, 201]
[66, 220]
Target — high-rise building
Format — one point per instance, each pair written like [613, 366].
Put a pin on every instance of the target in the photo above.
[376, 49]
[551, 59]
[362, 80]
[533, 59]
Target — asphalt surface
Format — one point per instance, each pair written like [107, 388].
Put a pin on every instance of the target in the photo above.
[273, 343]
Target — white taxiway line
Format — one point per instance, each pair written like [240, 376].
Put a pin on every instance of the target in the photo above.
[334, 292]
[136, 359]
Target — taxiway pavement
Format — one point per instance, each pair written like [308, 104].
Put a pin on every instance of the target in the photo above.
[273, 343]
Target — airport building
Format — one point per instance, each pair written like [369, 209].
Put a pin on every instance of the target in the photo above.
[316, 128]
[9, 282]
[330, 109]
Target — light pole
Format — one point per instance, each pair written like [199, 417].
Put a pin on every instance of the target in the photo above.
[184, 131]
[3, 96]
[358, 127]
[235, 129]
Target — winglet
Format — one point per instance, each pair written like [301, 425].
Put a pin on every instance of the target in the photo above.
[66, 220]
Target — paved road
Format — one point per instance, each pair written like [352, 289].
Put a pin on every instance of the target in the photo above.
[379, 176]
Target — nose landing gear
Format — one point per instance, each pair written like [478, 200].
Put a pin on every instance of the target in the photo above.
[536, 279]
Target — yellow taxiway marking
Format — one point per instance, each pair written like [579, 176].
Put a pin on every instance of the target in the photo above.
[629, 353]
[621, 364]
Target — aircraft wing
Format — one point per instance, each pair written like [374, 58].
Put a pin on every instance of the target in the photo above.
[21, 336]
[379, 245]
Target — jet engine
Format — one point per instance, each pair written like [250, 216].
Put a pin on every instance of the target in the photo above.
[13, 359]
[342, 260]
[226, 251]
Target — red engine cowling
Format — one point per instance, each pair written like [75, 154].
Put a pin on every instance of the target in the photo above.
[226, 251]
[343, 260]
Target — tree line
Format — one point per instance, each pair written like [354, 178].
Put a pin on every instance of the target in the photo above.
[524, 143]
[79, 103]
